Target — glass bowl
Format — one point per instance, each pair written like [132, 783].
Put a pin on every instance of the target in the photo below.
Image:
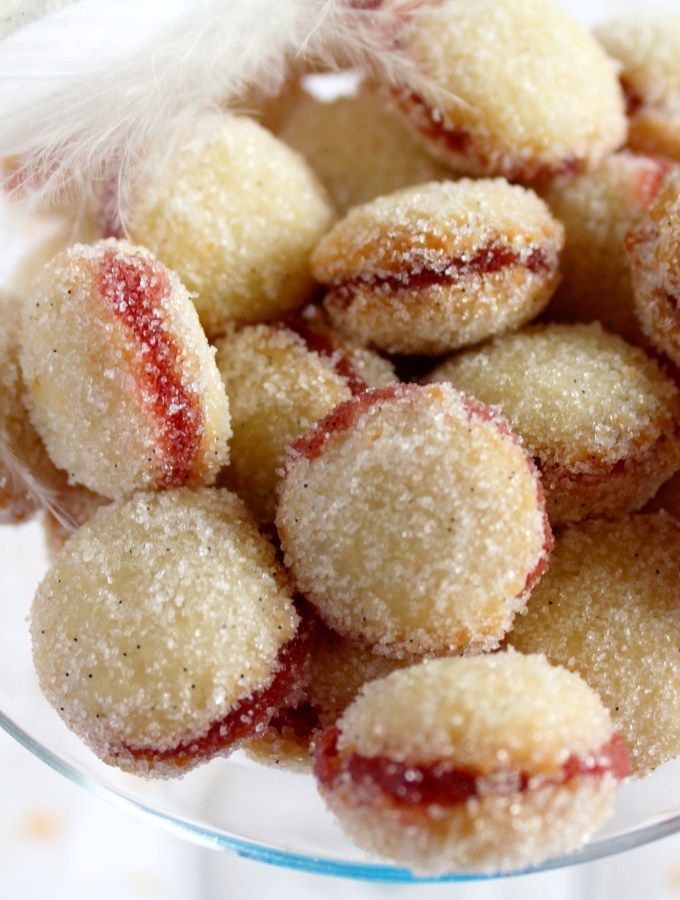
[234, 804]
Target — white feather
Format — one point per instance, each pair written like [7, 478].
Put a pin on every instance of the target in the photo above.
[124, 84]
[23, 481]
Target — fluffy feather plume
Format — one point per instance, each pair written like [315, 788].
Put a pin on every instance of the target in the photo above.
[98, 123]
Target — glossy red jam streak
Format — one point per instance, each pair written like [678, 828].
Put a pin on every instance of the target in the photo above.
[649, 180]
[345, 416]
[323, 345]
[485, 261]
[133, 288]
[246, 718]
[443, 784]
[300, 721]
[461, 142]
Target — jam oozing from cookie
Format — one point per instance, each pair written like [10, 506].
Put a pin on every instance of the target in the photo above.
[486, 260]
[320, 343]
[133, 288]
[248, 717]
[443, 784]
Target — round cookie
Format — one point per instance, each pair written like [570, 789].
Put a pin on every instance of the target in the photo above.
[600, 418]
[359, 148]
[165, 633]
[647, 47]
[279, 383]
[122, 383]
[413, 520]
[654, 252]
[608, 609]
[486, 764]
[598, 209]
[514, 87]
[440, 266]
[236, 213]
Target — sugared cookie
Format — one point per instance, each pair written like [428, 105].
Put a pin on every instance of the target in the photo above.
[236, 213]
[524, 90]
[28, 478]
[487, 764]
[279, 385]
[647, 49]
[123, 385]
[338, 669]
[598, 209]
[165, 634]
[609, 609]
[413, 520]
[440, 266]
[359, 148]
[654, 253]
[600, 418]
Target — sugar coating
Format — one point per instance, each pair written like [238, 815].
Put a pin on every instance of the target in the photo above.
[489, 714]
[157, 617]
[277, 389]
[598, 209]
[534, 94]
[654, 253]
[609, 610]
[646, 47]
[123, 385]
[440, 266]
[80, 228]
[419, 524]
[352, 359]
[26, 471]
[484, 713]
[339, 668]
[236, 213]
[600, 418]
[487, 834]
[667, 498]
[359, 148]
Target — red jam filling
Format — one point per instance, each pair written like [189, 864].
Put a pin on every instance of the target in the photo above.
[443, 784]
[485, 261]
[247, 717]
[460, 142]
[323, 345]
[133, 287]
[300, 721]
[344, 416]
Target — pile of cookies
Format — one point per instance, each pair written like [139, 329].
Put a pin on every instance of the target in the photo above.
[357, 444]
